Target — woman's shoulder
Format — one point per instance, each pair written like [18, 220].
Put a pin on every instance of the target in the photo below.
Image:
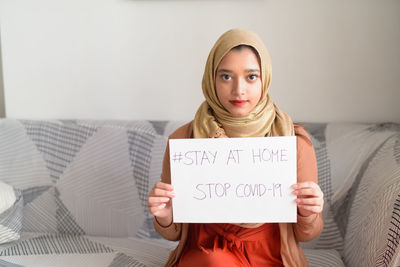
[302, 135]
[185, 131]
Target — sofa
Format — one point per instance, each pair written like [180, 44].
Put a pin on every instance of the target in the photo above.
[74, 193]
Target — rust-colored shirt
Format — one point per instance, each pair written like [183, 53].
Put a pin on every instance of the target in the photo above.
[245, 247]
[306, 228]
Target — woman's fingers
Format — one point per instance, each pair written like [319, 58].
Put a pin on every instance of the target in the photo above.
[306, 185]
[307, 189]
[304, 192]
[162, 193]
[158, 200]
[308, 192]
[310, 198]
[158, 207]
[309, 201]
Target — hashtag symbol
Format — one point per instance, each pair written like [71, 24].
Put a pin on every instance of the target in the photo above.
[177, 157]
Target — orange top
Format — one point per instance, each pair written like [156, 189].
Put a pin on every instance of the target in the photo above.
[247, 246]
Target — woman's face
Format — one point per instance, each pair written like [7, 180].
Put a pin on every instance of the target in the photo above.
[238, 82]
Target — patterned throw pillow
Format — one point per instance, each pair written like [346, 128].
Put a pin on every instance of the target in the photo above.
[78, 177]
[373, 230]
[331, 236]
[344, 151]
[11, 204]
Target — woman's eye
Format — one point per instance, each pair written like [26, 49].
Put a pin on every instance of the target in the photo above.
[225, 77]
[253, 77]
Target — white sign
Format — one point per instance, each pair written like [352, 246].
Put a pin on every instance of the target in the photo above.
[234, 180]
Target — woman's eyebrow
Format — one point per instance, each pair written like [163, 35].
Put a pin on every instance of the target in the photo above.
[252, 70]
[224, 70]
[247, 70]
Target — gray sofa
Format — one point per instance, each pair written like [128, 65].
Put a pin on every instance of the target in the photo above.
[78, 191]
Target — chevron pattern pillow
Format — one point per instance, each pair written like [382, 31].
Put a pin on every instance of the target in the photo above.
[11, 204]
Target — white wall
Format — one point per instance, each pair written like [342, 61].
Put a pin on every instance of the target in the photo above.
[2, 103]
[333, 60]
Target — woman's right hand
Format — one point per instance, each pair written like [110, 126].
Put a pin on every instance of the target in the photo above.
[160, 204]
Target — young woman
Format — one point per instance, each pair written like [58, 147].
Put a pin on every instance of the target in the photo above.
[235, 85]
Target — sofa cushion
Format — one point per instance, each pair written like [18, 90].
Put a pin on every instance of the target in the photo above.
[373, 230]
[323, 257]
[331, 236]
[11, 204]
[342, 150]
[47, 250]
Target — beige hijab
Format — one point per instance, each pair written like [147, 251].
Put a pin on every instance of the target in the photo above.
[213, 120]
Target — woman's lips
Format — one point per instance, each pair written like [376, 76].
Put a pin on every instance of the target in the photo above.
[238, 102]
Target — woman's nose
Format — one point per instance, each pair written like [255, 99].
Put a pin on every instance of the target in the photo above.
[239, 87]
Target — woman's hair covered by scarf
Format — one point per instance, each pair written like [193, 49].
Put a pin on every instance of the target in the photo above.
[213, 120]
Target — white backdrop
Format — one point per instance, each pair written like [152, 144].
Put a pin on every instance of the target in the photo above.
[333, 60]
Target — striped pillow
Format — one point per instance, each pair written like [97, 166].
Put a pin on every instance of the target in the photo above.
[344, 152]
[323, 257]
[373, 231]
[331, 236]
[11, 205]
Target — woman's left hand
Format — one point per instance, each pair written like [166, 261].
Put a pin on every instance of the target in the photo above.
[310, 199]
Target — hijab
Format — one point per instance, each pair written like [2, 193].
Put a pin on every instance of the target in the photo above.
[213, 120]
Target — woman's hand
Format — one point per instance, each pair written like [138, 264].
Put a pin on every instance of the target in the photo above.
[160, 204]
[310, 199]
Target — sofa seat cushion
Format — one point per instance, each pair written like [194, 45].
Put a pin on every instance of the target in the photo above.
[43, 249]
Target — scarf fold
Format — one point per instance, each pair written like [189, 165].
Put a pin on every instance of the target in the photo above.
[213, 120]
